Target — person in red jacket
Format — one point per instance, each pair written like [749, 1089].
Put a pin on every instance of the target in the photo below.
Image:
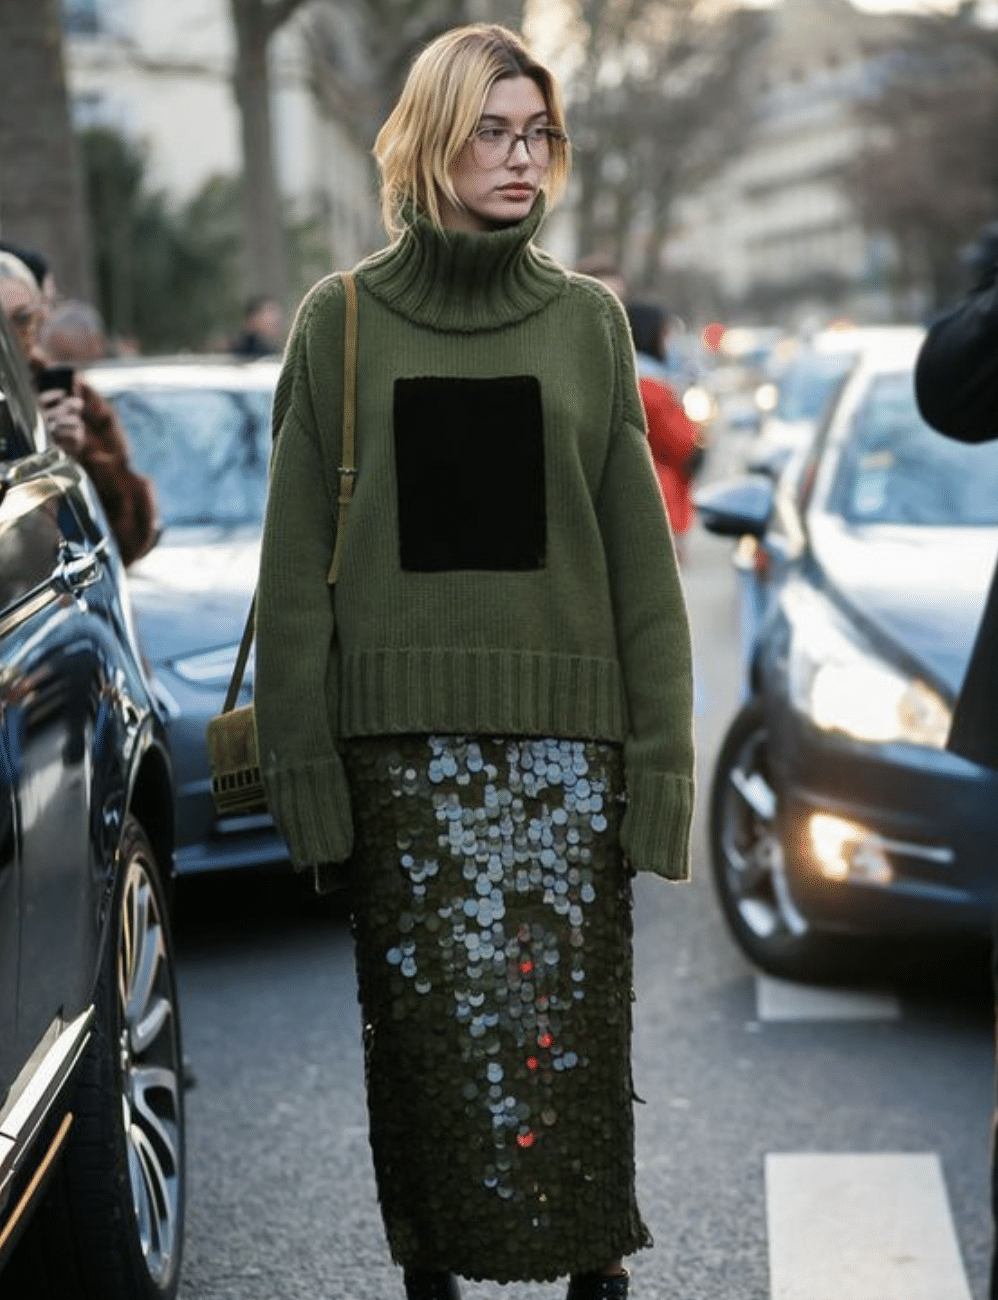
[672, 435]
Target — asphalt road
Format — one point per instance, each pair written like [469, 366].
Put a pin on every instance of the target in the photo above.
[742, 1112]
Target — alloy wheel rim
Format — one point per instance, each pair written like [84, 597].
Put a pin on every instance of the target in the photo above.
[754, 866]
[150, 1071]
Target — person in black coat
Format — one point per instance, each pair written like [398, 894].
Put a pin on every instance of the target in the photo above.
[956, 386]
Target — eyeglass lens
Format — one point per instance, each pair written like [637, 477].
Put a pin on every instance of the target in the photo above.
[495, 145]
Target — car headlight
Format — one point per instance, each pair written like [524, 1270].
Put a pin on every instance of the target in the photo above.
[698, 404]
[842, 685]
[212, 669]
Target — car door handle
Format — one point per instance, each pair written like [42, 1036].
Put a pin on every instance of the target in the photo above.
[78, 568]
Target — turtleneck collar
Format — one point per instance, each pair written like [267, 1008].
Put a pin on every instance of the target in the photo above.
[464, 281]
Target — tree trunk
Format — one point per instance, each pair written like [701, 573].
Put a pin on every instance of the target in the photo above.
[266, 260]
[41, 185]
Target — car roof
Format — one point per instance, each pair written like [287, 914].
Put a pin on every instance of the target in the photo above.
[870, 341]
[193, 371]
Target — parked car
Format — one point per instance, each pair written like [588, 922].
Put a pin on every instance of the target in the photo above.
[200, 428]
[796, 398]
[91, 1102]
[835, 811]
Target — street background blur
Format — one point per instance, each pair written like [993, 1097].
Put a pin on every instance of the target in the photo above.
[781, 165]
[773, 176]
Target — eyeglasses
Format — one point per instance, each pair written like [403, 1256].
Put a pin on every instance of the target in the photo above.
[491, 146]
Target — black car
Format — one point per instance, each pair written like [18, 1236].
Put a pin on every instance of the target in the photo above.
[836, 812]
[91, 1105]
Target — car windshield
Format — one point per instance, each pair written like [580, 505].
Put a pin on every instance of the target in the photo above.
[206, 449]
[807, 383]
[895, 469]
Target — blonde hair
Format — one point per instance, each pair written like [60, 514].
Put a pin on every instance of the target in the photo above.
[438, 110]
[12, 268]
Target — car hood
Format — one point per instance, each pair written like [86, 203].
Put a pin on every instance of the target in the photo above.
[193, 591]
[923, 589]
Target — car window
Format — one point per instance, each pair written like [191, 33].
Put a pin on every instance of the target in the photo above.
[895, 469]
[807, 384]
[207, 450]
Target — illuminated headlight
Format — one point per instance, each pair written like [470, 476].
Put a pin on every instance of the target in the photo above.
[213, 668]
[766, 396]
[698, 404]
[842, 685]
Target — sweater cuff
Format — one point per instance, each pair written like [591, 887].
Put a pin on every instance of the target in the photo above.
[655, 833]
[311, 806]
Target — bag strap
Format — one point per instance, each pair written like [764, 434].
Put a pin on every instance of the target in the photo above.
[347, 472]
[348, 469]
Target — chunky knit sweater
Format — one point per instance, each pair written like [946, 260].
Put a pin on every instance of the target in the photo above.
[507, 565]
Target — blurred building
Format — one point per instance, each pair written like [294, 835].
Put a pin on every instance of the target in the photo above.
[776, 231]
[161, 75]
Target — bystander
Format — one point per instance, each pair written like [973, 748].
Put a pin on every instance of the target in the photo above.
[956, 383]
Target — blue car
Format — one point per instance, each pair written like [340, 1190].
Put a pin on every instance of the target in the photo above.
[836, 812]
[200, 428]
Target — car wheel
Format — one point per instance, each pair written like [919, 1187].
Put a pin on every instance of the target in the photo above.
[747, 857]
[111, 1224]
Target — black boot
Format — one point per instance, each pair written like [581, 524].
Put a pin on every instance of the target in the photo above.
[420, 1284]
[598, 1286]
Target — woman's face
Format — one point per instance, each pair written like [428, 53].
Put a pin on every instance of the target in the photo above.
[23, 308]
[501, 194]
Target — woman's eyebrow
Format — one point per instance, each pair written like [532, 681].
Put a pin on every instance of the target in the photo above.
[505, 121]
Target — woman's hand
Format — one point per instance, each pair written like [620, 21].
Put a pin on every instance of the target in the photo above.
[63, 420]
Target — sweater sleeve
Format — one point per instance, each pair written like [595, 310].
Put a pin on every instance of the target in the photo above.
[653, 642]
[296, 681]
[956, 374]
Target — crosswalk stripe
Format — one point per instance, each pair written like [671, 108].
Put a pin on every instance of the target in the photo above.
[866, 1227]
[784, 1000]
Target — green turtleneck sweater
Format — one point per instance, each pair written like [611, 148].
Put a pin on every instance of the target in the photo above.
[507, 566]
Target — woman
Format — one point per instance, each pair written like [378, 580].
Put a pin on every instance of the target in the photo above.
[82, 422]
[672, 435]
[490, 714]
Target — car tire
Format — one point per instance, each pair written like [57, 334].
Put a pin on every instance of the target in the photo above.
[110, 1226]
[749, 865]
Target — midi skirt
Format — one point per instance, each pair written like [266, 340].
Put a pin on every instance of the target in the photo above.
[492, 917]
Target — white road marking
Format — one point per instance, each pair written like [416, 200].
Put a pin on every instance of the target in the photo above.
[861, 1227]
[784, 1000]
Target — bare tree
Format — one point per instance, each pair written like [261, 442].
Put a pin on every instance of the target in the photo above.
[41, 186]
[656, 107]
[928, 174]
[255, 22]
[361, 52]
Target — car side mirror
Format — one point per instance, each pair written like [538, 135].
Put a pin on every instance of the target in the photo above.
[736, 507]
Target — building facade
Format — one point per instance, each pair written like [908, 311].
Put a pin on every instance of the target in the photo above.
[161, 75]
[776, 231]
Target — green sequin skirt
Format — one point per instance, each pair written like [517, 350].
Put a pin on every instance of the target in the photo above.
[493, 926]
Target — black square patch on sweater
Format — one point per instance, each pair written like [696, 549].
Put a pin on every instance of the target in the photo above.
[469, 463]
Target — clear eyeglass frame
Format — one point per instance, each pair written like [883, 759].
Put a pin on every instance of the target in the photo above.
[492, 146]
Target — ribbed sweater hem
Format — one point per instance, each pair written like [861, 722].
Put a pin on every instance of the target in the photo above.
[481, 692]
[655, 834]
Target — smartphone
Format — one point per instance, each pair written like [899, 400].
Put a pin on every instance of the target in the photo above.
[55, 377]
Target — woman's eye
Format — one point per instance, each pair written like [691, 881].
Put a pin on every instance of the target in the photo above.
[537, 134]
[490, 133]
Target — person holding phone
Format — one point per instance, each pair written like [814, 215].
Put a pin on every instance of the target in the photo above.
[80, 420]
